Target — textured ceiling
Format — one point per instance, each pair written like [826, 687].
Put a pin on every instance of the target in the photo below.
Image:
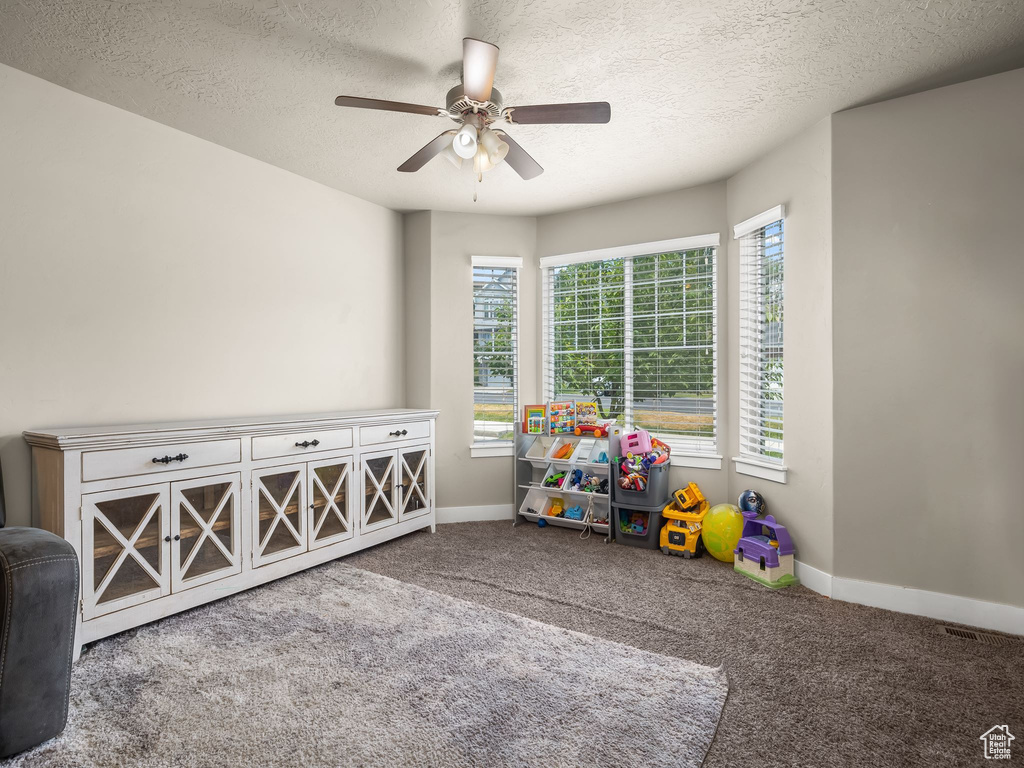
[698, 88]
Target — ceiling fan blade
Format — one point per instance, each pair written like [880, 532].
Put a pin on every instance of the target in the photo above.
[584, 112]
[519, 159]
[479, 61]
[389, 106]
[425, 155]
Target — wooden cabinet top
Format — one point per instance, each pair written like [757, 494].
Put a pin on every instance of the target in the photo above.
[68, 438]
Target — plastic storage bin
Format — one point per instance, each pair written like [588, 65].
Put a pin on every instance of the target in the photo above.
[656, 493]
[649, 538]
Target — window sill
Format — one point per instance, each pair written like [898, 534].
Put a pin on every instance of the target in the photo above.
[696, 460]
[496, 448]
[776, 473]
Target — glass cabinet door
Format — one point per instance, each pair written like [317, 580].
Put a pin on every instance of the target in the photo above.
[414, 470]
[379, 507]
[205, 530]
[330, 515]
[279, 519]
[125, 537]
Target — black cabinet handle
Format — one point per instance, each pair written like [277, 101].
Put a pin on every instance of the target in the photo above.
[167, 538]
[399, 432]
[177, 537]
[307, 443]
[169, 459]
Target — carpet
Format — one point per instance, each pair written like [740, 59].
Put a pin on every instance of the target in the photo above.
[338, 666]
[813, 682]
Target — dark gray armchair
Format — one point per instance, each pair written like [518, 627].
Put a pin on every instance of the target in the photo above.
[38, 606]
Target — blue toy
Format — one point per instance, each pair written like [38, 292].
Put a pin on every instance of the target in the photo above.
[541, 522]
[574, 513]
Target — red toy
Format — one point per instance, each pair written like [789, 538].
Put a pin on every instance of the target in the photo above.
[589, 428]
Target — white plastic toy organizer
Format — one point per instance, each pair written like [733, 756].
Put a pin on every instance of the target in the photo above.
[534, 463]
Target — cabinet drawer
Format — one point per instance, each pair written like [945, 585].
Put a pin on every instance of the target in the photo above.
[385, 433]
[126, 462]
[272, 446]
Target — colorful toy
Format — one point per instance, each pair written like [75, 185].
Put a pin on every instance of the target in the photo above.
[592, 429]
[752, 501]
[564, 452]
[562, 417]
[602, 458]
[765, 552]
[541, 522]
[690, 498]
[635, 442]
[535, 419]
[574, 513]
[636, 525]
[555, 480]
[681, 534]
[721, 530]
[557, 508]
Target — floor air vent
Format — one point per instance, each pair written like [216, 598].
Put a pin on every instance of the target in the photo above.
[978, 637]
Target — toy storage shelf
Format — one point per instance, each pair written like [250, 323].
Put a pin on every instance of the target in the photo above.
[534, 462]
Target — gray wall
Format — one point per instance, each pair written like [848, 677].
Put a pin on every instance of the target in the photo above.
[798, 173]
[443, 312]
[694, 211]
[929, 340]
[148, 275]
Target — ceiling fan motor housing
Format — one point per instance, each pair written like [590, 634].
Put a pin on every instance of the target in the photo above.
[458, 103]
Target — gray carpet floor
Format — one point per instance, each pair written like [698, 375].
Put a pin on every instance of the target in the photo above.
[812, 681]
[339, 667]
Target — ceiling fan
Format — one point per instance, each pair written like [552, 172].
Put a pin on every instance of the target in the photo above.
[478, 108]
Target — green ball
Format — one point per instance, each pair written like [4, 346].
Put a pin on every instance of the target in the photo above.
[721, 531]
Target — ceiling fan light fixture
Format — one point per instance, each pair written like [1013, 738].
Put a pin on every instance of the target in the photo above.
[482, 161]
[492, 144]
[465, 142]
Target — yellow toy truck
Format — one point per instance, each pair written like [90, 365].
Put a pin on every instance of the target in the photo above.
[683, 519]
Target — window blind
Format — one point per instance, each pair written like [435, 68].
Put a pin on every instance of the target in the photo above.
[495, 350]
[761, 342]
[638, 335]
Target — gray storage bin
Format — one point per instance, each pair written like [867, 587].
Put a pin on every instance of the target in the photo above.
[656, 494]
[649, 539]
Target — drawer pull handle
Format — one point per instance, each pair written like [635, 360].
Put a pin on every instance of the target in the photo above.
[307, 443]
[399, 432]
[167, 538]
[169, 459]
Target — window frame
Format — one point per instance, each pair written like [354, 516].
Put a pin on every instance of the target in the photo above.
[490, 448]
[711, 459]
[757, 464]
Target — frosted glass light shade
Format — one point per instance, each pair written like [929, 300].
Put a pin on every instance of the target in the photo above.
[464, 143]
[495, 148]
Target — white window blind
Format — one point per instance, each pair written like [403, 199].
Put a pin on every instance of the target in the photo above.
[761, 342]
[637, 334]
[495, 348]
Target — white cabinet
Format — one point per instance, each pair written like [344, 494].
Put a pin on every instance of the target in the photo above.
[166, 517]
[147, 542]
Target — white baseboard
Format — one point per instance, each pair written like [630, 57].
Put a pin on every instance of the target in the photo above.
[812, 578]
[934, 605]
[919, 602]
[473, 514]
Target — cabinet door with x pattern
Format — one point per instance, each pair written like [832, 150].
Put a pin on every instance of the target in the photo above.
[380, 501]
[414, 481]
[279, 513]
[330, 501]
[125, 548]
[205, 530]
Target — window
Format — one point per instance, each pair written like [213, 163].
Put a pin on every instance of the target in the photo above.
[495, 353]
[635, 329]
[761, 345]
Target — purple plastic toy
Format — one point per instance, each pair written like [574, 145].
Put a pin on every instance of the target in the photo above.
[765, 552]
